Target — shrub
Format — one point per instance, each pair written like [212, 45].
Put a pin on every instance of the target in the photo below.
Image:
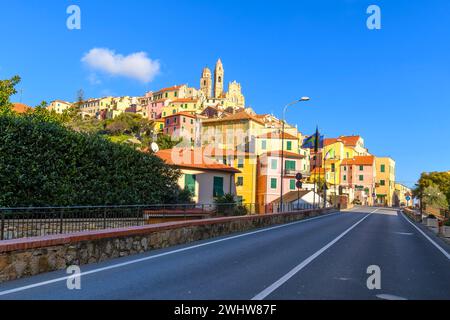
[43, 163]
[447, 223]
[431, 216]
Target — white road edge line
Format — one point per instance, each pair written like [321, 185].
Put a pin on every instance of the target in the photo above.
[444, 252]
[263, 294]
[44, 283]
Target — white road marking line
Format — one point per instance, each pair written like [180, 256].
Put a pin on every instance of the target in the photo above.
[263, 294]
[44, 283]
[404, 233]
[385, 296]
[444, 252]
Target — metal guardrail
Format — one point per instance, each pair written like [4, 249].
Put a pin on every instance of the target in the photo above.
[27, 222]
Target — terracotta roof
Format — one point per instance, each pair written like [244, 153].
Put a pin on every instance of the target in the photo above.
[188, 158]
[346, 140]
[242, 115]
[292, 196]
[226, 152]
[359, 160]
[20, 107]
[185, 100]
[182, 113]
[276, 135]
[173, 88]
[287, 154]
[319, 170]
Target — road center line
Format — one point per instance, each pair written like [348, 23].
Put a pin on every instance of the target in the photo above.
[262, 295]
[118, 265]
[444, 252]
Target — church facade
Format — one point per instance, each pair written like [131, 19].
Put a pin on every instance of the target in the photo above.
[214, 91]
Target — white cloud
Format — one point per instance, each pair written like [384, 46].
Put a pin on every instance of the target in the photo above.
[135, 65]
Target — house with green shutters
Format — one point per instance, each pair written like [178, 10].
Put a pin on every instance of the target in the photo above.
[206, 178]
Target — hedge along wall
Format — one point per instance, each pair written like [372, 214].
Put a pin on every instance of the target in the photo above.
[43, 163]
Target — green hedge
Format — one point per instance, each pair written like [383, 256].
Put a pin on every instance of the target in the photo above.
[42, 163]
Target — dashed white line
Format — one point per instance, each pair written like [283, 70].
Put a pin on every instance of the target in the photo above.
[266, 292]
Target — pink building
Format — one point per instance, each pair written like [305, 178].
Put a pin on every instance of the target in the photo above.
[359, 175]
[181, 124]
[269, 175]
[152, 109]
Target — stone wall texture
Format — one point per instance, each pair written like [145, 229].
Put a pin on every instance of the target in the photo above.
[26, 257]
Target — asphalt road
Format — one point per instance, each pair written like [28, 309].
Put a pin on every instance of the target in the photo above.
[319, 258]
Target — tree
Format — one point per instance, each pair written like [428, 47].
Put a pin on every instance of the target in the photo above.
[439, 179]
[7, 89]
[165, 141]
[434, 197]
[43, 163]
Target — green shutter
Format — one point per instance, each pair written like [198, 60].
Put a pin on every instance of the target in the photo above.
[361, 168]
[264, 144]
[189, 182]
[273, 183]
[345, 177]
[361, 178]
[383, 168]
[290, 165]
[240, 163]
[218, 187]
[274, 164]
[289, 145]
[292, 184]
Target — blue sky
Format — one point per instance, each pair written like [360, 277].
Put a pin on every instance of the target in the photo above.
[392, 86]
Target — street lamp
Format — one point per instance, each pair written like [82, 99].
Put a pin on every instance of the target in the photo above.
[302, 99]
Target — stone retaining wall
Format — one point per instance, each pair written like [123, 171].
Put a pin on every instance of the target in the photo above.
[412, 215]
[27, 257]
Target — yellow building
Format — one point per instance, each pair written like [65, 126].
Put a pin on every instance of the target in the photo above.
[182, 105]
[246, 163]
[400, 194]
[238, 129]
[158, 126]
[59, 106]
[385, 184]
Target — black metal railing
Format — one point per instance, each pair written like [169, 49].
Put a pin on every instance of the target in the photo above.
[18, 223]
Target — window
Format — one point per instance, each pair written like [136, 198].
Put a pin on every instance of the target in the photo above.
[361, 168]
[383, 168]
[184, 120]
[167, 94]
[174, 111]
[289, 165]
[348, 155]
[273, 183]
[292, 184]
[361, 177]
[161, 126]
[333, 167]
[289, 145]
[168, 121]
[218, 187]
[382, 183]
[189, 182]
[274, 164]
[240, 162]
[240, 181]
[192, 121]
[345, 177]
[264, 144]
[175, 94]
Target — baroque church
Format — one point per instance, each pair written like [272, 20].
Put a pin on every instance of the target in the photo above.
[214, 93]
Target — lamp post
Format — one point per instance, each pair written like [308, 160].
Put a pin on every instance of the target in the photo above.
[302, 99]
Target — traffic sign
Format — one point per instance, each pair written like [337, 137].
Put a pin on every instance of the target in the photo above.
[408, 198]
[299, 176]
[299, 184]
